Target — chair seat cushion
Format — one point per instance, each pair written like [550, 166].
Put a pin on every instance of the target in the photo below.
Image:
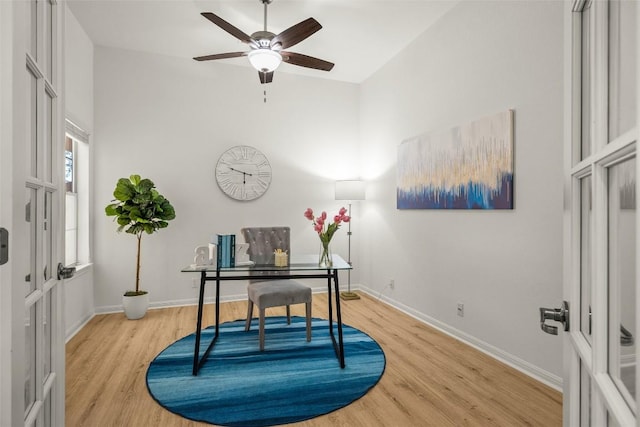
[275, 293]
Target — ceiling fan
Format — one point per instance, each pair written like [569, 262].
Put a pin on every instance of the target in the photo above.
[267, 52]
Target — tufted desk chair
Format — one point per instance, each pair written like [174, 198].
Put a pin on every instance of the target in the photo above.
[263, 241]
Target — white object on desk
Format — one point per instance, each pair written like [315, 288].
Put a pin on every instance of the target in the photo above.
[242, 257]
[280, 258]
[202, 256]
[207, 256]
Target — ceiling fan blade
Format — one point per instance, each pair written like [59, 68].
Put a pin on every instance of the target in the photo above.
[234, 31]
[220, 56]
[306, 61]
[297, 33]
[265, 77]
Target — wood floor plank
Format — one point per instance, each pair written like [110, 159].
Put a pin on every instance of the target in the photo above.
[430, 378]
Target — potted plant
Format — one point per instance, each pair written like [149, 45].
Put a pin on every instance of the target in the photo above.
[138, 208]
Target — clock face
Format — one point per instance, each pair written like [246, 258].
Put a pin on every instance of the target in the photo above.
[243, 173]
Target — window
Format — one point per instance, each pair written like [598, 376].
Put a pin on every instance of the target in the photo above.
[76, 177]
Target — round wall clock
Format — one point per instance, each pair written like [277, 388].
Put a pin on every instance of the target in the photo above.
[243, 173]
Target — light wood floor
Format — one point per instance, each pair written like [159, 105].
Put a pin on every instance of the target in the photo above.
[430, 378]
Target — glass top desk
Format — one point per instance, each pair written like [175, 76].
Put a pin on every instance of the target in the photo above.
[300, 267]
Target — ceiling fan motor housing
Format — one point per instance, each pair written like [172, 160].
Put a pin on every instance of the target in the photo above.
[263, 38]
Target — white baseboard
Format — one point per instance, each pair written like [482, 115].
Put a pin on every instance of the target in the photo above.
[515, 362]
[521, 365]
[190, 301]
[77, 326]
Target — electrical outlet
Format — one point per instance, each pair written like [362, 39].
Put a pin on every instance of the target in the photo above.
[392, 284]
[194, 283]
[460, 309]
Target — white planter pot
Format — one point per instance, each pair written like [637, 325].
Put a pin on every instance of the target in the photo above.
[135, 307]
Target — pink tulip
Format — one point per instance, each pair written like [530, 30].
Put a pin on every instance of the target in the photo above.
[346, 218]
[308, 214]
[337, 219]
[318, 228]
[320, 220]
[342, 211]
[323, 215]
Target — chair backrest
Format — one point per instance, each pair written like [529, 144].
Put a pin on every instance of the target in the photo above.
[263, 241]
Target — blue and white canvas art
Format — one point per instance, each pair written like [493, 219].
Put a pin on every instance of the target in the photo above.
[466, 167]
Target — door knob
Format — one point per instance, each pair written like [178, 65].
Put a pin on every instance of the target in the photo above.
[557, 314]
[65, 272]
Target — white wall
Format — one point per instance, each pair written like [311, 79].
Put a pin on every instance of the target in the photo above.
[480, 58]
[169, 119]
[78, 291]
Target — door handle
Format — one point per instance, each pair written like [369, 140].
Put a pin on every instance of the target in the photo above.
[4, 246]
[557, 314]
[626, 337]
[65, 272]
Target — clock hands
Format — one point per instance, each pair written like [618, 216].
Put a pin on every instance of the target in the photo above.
[244, 174]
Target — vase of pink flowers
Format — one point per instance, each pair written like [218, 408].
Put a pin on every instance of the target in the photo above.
[325, 232]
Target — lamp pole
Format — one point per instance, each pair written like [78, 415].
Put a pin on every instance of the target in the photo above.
[349, 190]
[349, 295]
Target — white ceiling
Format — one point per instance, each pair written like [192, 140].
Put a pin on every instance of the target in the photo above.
[359, 36]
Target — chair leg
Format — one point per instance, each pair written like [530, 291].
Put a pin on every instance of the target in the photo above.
[261, 333]
[247, 325]
[308, 321]
[288, 315]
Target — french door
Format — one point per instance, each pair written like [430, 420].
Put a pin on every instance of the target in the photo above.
[601, 381]
[31, 184]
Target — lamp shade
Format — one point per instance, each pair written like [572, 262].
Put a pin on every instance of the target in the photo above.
[350, 190]
[265, 60]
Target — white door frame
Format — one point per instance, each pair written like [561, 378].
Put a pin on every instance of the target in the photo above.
[604, 396]
[14, 170]
[6, 170]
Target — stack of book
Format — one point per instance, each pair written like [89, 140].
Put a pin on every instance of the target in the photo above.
[226, 250]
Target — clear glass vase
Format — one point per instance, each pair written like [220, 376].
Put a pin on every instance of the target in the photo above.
[325, 259]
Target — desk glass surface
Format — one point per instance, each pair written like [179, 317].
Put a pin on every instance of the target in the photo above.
[297, 263]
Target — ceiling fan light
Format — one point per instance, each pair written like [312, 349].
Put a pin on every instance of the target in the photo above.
[265, 60]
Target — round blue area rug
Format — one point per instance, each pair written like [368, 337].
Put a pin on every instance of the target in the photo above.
[292, 380]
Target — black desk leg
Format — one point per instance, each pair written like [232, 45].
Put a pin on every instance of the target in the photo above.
[337, 295]
[217, 306]
[330, 304]
[197, 360]
[338, 346]
[199, 323]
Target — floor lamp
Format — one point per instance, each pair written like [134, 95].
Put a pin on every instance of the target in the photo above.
[349, 190]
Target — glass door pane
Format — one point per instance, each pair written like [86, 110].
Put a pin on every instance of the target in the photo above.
[32, 26]
[585, 144]
[585, 397]
[585, 256]
[32, 133]
[47, 237]
[47, 334]
[48, 39]
[623, 54]
[49, 137]
[30, 218]
[622, 277]
[30, 358]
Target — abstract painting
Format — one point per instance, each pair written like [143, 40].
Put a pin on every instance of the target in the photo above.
[466, 167]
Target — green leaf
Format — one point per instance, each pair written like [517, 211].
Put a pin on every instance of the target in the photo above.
[124, 190]
[123, 220]
[144, 187]
[111, 210]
